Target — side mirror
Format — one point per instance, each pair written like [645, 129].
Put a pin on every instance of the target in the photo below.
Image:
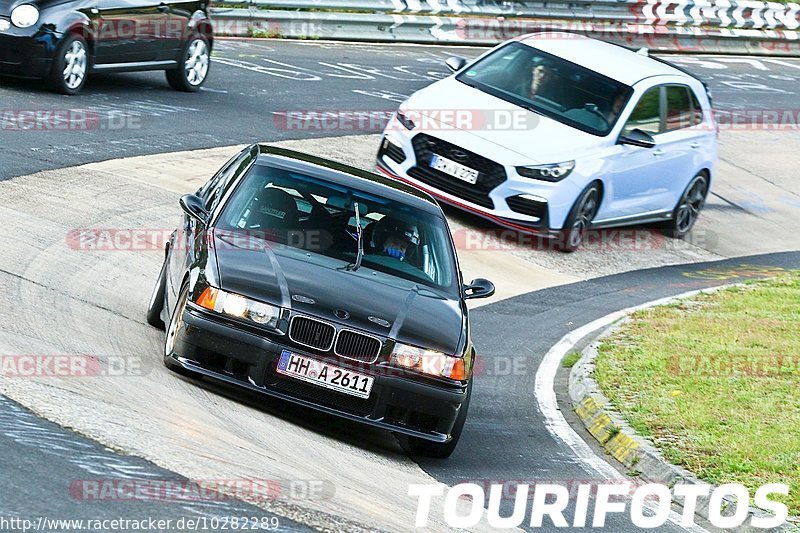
[479, 288]
[638, 137]
[455, 63]
[193, 206]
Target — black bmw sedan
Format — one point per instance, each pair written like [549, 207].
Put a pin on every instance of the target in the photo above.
[63, 41]
[326, 286]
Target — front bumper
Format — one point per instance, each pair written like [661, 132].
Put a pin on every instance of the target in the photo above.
[500, 195]
[246, 359]
[540, 227]
[26, 53]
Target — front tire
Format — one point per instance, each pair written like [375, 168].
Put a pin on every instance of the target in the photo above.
[175, 324]
[580, 218]
[193, 65]
[70, 66]
[156, 305]
[688, 209]
[441, 450]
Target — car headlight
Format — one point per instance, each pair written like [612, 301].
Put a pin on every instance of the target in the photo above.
[553, 172]
[237, 306]
[405, 121]
[25, 16]
[429, 362]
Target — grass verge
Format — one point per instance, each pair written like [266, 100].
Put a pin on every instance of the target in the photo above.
[570, 359]
[714, 382]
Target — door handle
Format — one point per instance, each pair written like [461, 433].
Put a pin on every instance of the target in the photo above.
[658, 152]
[695, 145]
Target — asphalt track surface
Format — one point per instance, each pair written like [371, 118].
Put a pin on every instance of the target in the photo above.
[505, 438]
[52, 474]
[250, 81]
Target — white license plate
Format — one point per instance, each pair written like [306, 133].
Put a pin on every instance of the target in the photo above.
[457, 170]
[325, 375]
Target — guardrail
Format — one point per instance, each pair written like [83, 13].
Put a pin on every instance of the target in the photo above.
[702, 26]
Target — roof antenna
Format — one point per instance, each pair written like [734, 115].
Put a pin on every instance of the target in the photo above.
[643, 51]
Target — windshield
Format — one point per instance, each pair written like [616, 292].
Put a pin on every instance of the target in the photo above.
[551, 86]
[319, 216]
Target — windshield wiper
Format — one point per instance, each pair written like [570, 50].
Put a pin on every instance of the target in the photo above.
[360, 239]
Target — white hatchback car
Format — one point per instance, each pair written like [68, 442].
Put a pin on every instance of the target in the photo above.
[556, 133]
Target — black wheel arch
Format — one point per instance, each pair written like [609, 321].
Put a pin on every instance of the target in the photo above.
[201, 25]
[82, 28]
[601, 191]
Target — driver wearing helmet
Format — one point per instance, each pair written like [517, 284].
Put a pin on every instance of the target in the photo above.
[395, 238]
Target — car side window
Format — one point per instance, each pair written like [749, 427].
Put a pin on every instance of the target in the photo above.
[211, 185]
[226, 176]
[697, 116]
[646, 116]
[680, 112]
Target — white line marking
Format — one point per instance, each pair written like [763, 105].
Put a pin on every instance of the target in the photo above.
[783, 63]
[545, 393]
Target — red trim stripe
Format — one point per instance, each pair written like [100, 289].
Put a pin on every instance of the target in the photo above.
[493, 218]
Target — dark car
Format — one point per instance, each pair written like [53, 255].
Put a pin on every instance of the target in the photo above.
[63, 41]
[325, 285]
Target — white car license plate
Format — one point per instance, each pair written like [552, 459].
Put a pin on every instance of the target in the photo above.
[325, 375]
[457, 170]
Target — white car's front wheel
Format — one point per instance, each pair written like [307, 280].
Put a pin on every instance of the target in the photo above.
[688, 209]
[580, 219]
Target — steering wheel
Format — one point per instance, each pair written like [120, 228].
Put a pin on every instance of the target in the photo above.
[592, 108]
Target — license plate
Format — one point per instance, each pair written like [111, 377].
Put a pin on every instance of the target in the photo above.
[325, 375]
[457, 170]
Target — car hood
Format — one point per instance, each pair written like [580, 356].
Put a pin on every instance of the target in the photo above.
[317, 285]
[532, 139]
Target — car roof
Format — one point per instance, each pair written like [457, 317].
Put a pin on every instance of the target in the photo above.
[611, 60]
[349, 176]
